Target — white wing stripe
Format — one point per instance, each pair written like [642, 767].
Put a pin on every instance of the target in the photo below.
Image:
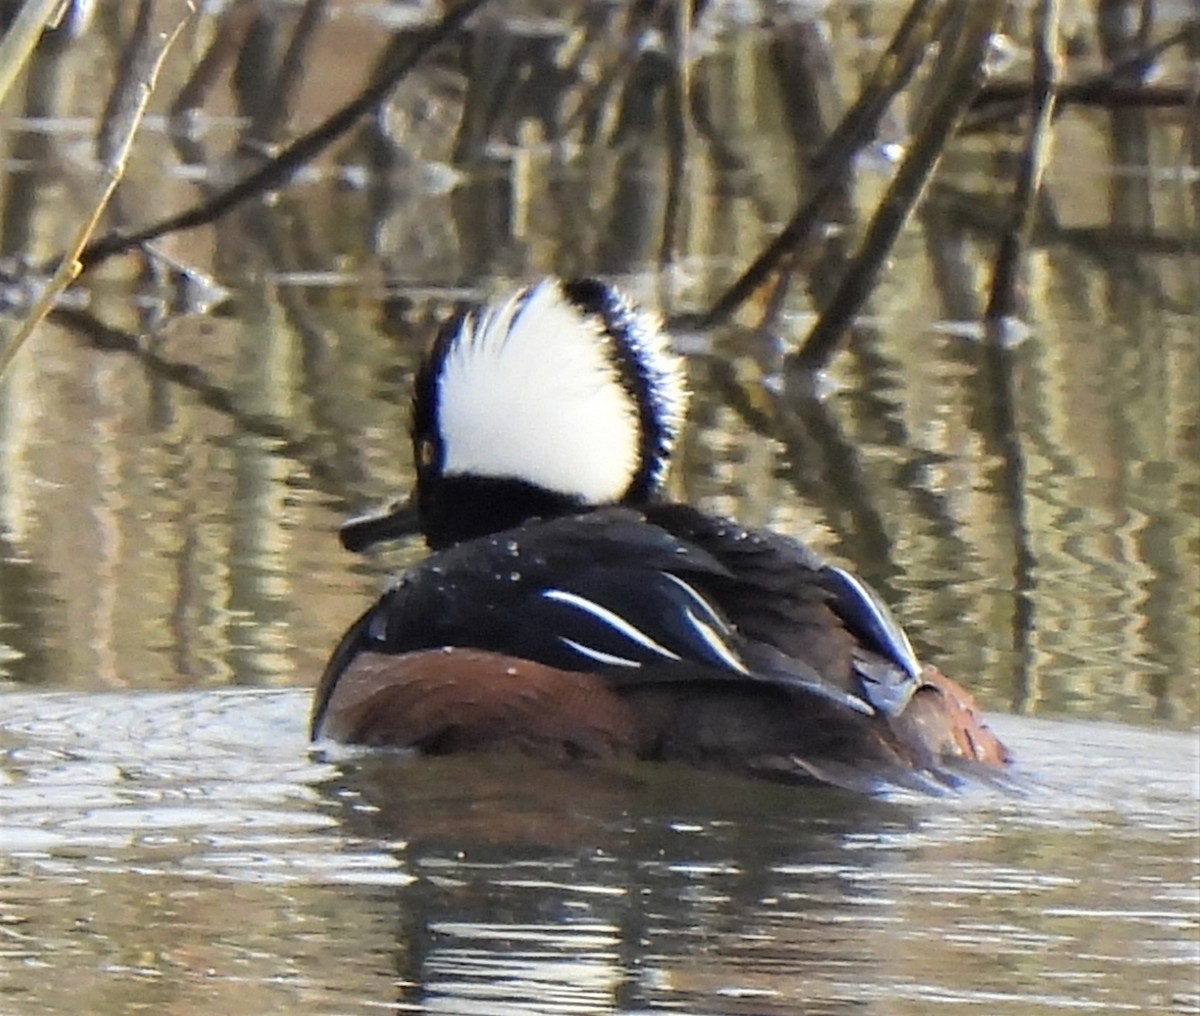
[709, 626]
[888, 628]
[712, 618]
[717, 644]
[596, 654]
[614, 621]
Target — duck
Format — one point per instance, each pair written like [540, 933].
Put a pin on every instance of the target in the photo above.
[568, 609]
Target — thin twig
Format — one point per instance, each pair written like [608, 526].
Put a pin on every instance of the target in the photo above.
[1047, 69]
[398, 61]
[965, 45]
[234, 23]
[22, 37]
[678, 88]
[113, 167]
[137, 60]
[897, 64]
[1095, 93]
[274, 112]
[998, 101]
[997, 372]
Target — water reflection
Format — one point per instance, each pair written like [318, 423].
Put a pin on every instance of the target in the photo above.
[190, 847]
[170, 484]
[168, 498]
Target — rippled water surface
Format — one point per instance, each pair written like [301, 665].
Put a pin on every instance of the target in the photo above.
[181, 437]
[190, 851]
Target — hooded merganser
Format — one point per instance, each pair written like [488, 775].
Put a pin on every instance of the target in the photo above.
[569, 611]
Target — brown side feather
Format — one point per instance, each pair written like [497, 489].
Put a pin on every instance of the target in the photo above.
[452, 699]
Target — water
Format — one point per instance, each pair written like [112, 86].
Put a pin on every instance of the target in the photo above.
[192, 850]
[172, 475]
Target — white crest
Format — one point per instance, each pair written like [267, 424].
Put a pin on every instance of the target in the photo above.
[529, 390]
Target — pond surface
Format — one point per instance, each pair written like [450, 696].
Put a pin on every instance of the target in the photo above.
[188, 852]
[173, 470]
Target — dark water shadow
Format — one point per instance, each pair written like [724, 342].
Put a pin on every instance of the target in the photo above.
[525, 876]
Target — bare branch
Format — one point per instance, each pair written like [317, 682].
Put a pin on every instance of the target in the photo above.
[132, 110]
[400, 57]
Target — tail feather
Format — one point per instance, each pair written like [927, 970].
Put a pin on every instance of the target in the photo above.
[943, 723]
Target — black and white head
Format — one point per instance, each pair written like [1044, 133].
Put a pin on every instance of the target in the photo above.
[563, 397]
